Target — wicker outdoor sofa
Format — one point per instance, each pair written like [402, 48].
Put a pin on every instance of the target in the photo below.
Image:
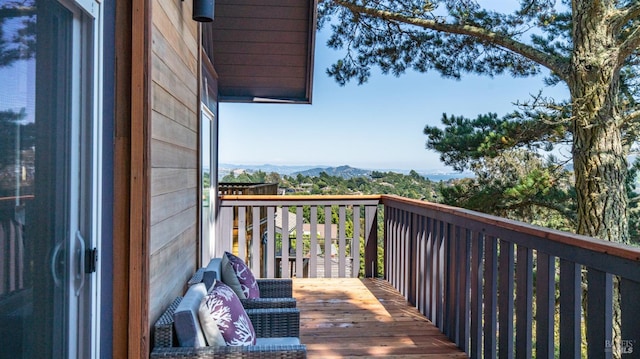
[268, 323]
[212, 319]
[274, 293]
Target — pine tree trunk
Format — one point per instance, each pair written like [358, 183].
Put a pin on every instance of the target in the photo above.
[599, 154]
[600, 168]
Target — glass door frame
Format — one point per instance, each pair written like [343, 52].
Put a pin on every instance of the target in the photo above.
[208, 150]
[83, 290]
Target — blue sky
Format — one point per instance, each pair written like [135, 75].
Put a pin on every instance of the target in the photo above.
[17, 87]
[378, 125]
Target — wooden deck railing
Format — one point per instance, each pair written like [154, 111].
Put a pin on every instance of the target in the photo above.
[479, 278]
[227, 188]
[325, 257]
[495, 287]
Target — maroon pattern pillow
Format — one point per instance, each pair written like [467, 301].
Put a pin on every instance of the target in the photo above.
[238, 276]
[222, 306]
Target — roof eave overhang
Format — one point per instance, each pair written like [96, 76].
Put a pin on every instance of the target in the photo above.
[263, 51]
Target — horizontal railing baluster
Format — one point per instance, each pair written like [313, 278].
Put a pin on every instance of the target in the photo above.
[464, 299]
[390, 239]
[371, 241]
[299, 261]
[420, 253]
[242, 232]
[570, 309]
[256, 239]
[355, 243]
[413, 259]
[600, 313]
[405, 255]
[342, 242]
[545, 305]
[271, 242]
[327, 242]
[505, 299]
[283, 267]
[630, 315]
[429, 270]
[439, 273]
[477, 253]
[524, 302]
[224, 239]
[451, 281]
[313, 242]
[491, 298]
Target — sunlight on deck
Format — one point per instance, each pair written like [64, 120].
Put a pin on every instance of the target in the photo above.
[350, 317]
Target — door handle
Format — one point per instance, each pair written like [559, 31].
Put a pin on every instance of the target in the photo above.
[55, 262]
[79, 274]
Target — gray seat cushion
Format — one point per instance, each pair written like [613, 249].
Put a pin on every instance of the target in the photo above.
[185, 318]
[278, 341]
[212, 272]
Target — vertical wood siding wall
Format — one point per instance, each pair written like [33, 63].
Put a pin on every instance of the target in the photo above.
[174, 152]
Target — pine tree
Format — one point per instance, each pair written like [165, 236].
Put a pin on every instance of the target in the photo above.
[590, 46]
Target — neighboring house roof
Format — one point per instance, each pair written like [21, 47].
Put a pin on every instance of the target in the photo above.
[262, 51]
[306, 228]
[291, 221]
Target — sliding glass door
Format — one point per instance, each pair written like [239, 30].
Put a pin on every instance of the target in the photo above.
[49, 178]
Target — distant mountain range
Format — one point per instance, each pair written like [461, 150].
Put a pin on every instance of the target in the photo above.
[345, 172]
[340, 171]
[283, 170]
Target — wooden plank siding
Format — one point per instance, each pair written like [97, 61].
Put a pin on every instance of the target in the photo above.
[173, 248]
[350, 317]
[166, 272]
[158, 65]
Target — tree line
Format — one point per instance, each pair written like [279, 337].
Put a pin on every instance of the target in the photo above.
[519, 185]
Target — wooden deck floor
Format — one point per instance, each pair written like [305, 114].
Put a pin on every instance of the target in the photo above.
[350, 317]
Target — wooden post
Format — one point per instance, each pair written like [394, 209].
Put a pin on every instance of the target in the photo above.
[371, 241]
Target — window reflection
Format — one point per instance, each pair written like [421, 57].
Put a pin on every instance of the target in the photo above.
[17, 136]
[17, 169]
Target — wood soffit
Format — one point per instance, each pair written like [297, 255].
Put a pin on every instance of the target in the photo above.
[262, 50]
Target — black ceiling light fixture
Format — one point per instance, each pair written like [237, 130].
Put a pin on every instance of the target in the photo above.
[203, 10]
